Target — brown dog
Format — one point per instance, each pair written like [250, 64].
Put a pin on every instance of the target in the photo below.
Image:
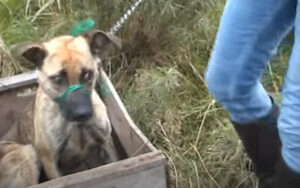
[70, 120]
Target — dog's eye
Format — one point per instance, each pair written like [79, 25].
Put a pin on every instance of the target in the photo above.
[57, 79]
[86, 76]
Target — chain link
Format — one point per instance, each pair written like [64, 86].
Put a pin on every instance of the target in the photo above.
[115, 28]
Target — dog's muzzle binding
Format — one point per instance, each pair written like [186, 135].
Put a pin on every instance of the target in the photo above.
[75, 104]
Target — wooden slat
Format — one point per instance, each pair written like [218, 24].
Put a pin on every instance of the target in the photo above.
[133, 140]
[16, 81]
[144, 171]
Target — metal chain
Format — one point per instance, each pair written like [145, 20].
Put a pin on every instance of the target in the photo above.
[115, 28]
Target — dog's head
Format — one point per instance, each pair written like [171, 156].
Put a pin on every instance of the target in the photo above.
[68, 69]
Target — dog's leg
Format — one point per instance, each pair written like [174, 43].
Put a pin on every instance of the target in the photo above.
[47, 157]
[50, 167]
[101, 129]
[100, 122]
[49, 135]
[109, 153]
[49, 164]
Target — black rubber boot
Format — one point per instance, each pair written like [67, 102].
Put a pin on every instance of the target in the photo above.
[262, 144]
[285, 177]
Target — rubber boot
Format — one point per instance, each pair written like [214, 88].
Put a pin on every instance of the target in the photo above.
[262, 144]
[285, 177]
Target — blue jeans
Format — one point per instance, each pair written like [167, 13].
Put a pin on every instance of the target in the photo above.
[249, 34]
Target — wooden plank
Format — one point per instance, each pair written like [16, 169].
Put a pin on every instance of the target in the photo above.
[19, 80]
[146, 171]
[11, 108]
[152, 178]
[132, 139]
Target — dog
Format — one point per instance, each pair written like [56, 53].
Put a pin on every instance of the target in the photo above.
[70, 120]
[19, 165]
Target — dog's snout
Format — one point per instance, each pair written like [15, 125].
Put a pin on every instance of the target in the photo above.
[78, 106]
[82, 113]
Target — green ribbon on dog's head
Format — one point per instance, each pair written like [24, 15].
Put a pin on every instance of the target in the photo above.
[82, 26]
[68, 91]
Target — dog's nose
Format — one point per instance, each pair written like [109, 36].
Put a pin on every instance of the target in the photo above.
[82, 113]
[79, 106]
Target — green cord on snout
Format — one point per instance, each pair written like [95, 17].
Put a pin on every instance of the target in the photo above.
[70, 90]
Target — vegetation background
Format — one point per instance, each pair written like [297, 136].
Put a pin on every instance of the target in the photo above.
[158, 74]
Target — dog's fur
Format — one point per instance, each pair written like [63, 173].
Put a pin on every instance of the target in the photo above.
[19, 165]
[55, 138]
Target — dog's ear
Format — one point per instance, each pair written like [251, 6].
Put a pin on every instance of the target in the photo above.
[100, 42]
[34, 53]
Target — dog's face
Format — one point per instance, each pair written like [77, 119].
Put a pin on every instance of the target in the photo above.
[70, 61]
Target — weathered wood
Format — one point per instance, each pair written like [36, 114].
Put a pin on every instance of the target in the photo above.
[11, 108]
[132, 139]
[144, 171]
[16, 81]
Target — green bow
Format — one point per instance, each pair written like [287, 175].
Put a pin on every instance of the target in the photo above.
[82, 26]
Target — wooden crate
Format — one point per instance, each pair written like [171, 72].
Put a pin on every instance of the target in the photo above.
[145, 167]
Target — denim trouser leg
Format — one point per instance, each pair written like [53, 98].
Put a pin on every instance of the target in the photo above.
[289, 119]
[249, 33]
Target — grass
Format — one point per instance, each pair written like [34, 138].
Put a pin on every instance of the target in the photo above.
[203, 149]
[8, 65]
[159, 76]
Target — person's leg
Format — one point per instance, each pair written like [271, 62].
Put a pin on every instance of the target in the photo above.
[289, 119]
[249, 33]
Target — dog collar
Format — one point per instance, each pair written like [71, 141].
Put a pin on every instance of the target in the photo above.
[70, 90]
